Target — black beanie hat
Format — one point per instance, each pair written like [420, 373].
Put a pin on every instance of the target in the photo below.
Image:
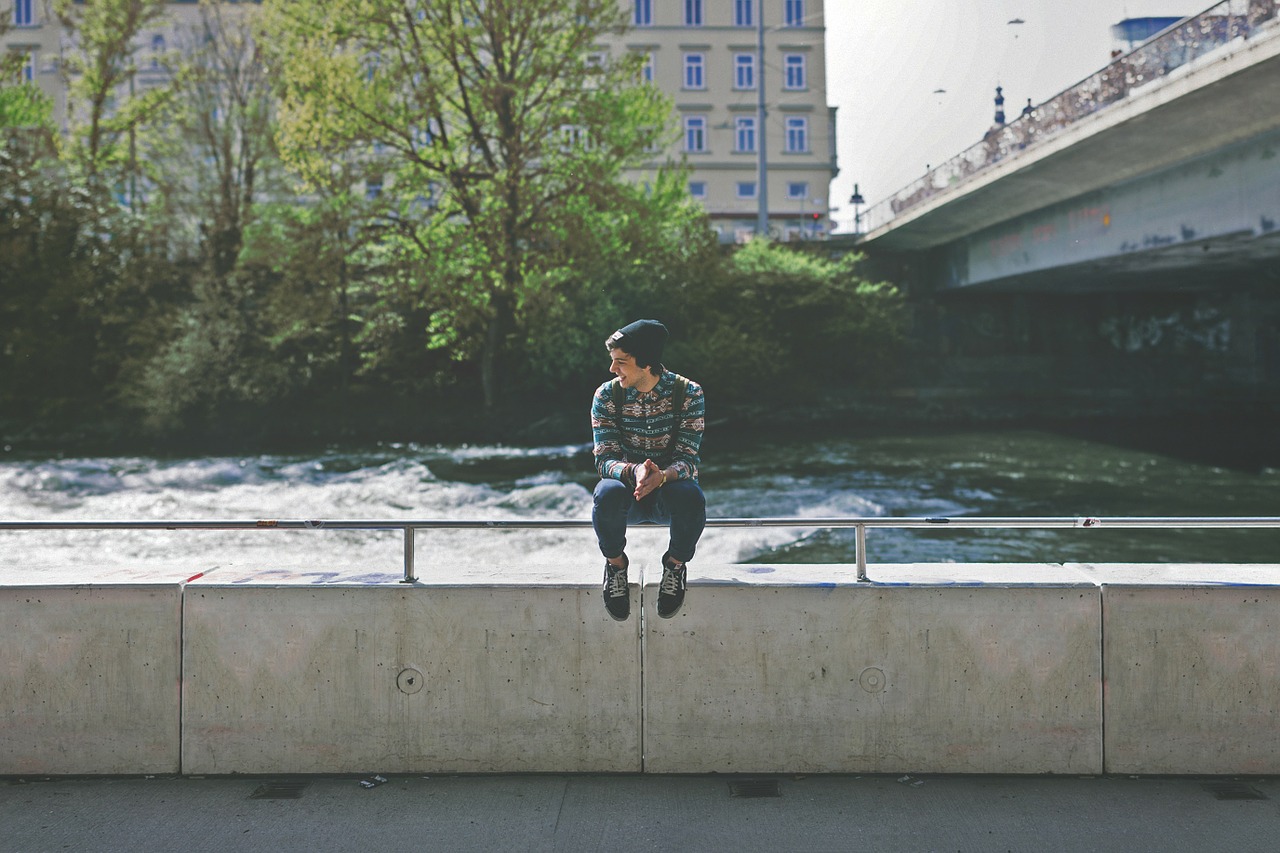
[644, 340]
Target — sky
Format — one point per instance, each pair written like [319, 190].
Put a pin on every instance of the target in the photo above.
[886, 59]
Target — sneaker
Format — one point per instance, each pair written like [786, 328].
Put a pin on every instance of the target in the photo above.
[617, 597]
[671, 590]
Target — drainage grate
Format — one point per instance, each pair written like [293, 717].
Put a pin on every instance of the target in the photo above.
[1234, 791]
[279, 791]
[755, 788]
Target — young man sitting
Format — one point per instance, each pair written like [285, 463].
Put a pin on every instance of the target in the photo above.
[647, 426]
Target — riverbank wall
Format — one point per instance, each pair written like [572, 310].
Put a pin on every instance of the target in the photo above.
[948, 668]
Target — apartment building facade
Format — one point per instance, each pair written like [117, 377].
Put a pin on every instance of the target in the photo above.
[706, 55]
[35, 33]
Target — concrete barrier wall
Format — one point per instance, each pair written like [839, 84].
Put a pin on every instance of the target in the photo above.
[1192, 656]
[306, 679]
[89, 679]
[939, 669]
[789, 672]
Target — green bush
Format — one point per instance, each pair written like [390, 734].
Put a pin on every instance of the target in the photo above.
[776, 320]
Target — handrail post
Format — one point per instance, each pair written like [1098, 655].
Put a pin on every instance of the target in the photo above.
[860, 538]
[408, 555]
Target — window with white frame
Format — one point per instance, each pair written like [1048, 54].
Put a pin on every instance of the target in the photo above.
[372, 188]
[793, 13]
[28, 71]
[797, 189]
[797, 134]
[744, 13]
[595, 67]
[24, 13]
[744, 71]
[695, 134]
[157, 50]
[652, 141]
[744, 134]
[695, 76]
[746, 189]
[698, 189]
[794, 76]
[573, 136]
[693, 13]
[646, 70]
[643, 13]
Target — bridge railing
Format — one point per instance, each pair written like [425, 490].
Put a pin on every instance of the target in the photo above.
[1154, 59]
[860, 525]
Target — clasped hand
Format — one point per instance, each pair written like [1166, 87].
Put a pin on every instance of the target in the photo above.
[648, 477]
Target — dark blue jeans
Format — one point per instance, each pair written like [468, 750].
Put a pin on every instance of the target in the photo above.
[680, 503]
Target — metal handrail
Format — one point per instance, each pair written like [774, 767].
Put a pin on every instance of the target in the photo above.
[859, 524]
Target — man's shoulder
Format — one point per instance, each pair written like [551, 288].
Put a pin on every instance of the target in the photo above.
[692, 388]
[605, 391]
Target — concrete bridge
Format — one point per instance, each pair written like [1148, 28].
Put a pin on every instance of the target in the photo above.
[1161, 170]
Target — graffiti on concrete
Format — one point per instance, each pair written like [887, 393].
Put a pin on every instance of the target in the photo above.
[1204, 328]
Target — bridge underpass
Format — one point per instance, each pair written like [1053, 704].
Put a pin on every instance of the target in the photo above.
[1213, 221]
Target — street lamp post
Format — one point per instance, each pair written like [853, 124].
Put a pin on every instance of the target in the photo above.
[762, 158]
[857, 201]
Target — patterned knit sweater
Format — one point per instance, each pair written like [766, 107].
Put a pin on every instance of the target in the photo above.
[643, 429]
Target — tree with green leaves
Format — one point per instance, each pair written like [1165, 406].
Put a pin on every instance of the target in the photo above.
[73, 277]
[495, 133]
[216, 156]
[246, 334]
[778, 319]
[106, 107]
[83, 281]
[22, 104]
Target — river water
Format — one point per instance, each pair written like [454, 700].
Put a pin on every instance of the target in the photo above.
[985, 472]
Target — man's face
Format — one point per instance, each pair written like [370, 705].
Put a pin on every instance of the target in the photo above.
[624, 367]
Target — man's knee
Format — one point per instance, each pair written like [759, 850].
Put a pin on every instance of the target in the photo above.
[612, 494]
[685, 496]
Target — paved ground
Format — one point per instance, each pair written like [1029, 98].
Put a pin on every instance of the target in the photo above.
[618, 813]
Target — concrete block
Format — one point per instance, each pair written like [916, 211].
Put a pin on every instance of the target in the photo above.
[1192, 662]
[802, 669]
[530, 677]
[89, 679]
